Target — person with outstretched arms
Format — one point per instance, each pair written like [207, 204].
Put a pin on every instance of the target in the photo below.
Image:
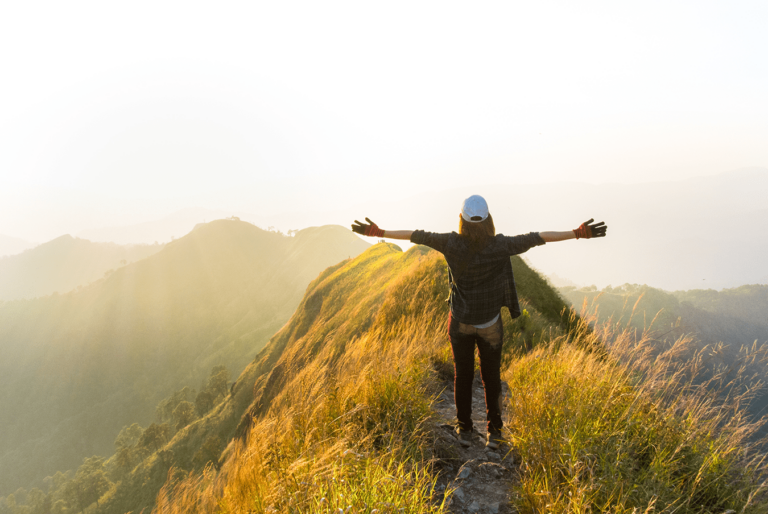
[481, 283]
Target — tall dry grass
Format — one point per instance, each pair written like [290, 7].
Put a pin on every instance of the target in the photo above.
[348, 433]
[604, 420]
[636, 426]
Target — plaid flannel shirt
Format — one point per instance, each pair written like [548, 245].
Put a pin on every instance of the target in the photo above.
[482, 282]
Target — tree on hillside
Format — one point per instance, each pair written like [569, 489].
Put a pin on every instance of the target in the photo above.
[183, 414]
[89, 483]
[218, 380]
[56, 484]
[59, 507]
[128, 436]
[166, 457]
[10, 503]
[209, 452]
[155, 436]
[204, 402]
[36, 501]
[124, 460]
[165, 408]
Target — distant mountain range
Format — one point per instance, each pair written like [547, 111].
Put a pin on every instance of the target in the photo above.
[64, 264]
[76, 367]
[704, 232]
[733, 316]
[13, 245]
[171, 227]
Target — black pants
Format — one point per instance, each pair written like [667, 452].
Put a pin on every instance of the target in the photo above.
[489, 341]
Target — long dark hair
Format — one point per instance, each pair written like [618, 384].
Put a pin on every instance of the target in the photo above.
[477, 233]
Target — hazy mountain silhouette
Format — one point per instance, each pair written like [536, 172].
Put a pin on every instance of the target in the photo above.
[64, 264]
[13, 245]
[176, 225]
[703, 232]
[75, 368]
[733, 316]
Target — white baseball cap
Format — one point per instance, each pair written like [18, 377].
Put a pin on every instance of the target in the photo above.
[475, 209]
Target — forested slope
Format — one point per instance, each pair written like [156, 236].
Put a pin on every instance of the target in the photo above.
[75, 368]
[338, 411]
[381, 289]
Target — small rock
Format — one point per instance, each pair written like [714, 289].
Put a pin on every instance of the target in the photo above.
[493, 508]
[474, 507]
[459, 494]
[493, 455]
[464, 473]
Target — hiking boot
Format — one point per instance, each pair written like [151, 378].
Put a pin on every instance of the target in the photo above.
[465, 436]
[493, 440]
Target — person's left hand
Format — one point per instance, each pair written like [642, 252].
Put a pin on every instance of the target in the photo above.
[370, 229]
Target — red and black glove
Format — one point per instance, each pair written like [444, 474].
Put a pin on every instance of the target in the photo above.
[587, 231]
[370, 229]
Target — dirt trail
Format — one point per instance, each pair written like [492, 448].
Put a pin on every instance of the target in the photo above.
[481, 478]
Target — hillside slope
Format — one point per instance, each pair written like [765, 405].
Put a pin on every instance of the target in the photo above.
[734, 316]
[63, 264]
[339, 414]
[75, 368]
[372, 297]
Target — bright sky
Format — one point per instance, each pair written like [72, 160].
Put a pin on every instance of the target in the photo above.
[121, 112]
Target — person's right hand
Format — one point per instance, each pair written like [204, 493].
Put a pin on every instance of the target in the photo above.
[370, 229]
[587, 230]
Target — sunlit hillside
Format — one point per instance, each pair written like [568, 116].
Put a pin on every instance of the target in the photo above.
[724, 325]
[381, 290]
[76, 367]
[340, 417]
[338, 413]
[64, 264]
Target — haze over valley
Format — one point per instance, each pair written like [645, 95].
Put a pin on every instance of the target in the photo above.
[76, 367]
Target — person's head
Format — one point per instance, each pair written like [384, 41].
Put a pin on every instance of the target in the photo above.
[475, 221]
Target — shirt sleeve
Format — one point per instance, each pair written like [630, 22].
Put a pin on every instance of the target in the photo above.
[520, 244]
[432, 239]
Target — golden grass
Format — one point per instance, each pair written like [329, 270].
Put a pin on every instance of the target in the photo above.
[632, 429]
[603, 419]
[346, 434]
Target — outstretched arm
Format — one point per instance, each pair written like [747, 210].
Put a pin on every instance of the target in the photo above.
[551, 237]
[586, 230]
[373, 230]
[398, 234]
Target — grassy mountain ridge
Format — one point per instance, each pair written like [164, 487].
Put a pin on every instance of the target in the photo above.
[341, 419]
[378, 292]
[75, 368]
[335, 412]
[63, 264]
